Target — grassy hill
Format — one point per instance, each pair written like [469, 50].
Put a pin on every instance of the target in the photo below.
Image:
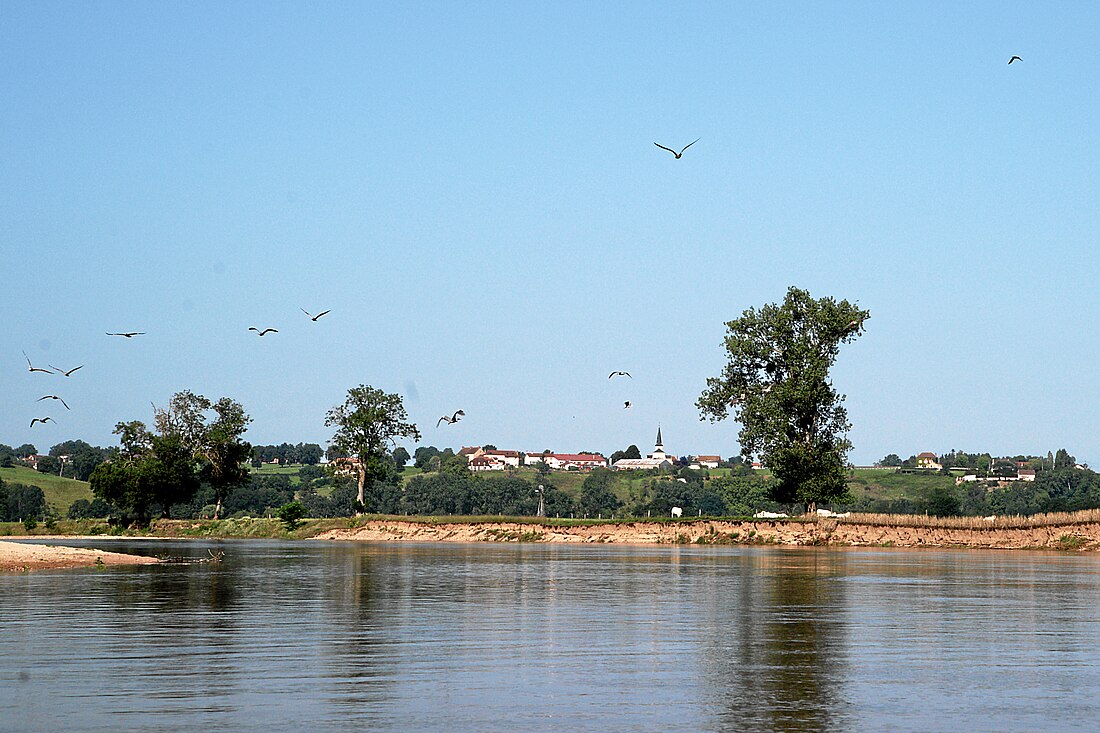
[60, 492]
[890, 485]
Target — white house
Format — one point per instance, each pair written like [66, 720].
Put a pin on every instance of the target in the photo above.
[486, 463]
[566, 461]
[708, 461]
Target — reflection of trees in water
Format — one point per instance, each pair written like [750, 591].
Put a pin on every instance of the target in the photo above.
[356, 655]
[782, 666]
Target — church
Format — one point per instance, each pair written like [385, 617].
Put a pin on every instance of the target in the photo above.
[657, 459]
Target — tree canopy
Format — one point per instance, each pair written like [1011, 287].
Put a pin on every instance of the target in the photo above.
[776, 384]
[368, 425]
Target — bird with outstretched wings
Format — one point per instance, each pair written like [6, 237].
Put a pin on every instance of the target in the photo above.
[452, 419]
[679, 154]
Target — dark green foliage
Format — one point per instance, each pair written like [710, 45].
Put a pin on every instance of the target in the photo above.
[82, 458]
[291, 515]
[94, 509]
[891, 460]
[18, 502]
[944, 502]
[631, 452]
[49, 464]
[308, 454]
[423, 456]
[445, 492]
[596, 494]
[400, 457]
[260, 496]
[160, 475]
[27, 449]
[693, 497]
[776, 384]
[745, 495]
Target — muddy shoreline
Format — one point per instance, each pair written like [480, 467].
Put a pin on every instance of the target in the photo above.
[1070, 536]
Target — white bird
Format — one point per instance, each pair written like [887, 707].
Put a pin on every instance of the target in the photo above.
[263, 332]
[31, 368]
[66, 373]
[54, 397]
[662, 147]
[42, 420]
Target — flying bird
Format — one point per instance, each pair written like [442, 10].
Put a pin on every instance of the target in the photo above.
[1015, 58]
[66, 373]
[452, 419]
[662, 147]
[314, 317]
[54, 397]
[626, 405]
[41, 420]
[266, 330]
[128, 334]
[619, 374]
[32, 368]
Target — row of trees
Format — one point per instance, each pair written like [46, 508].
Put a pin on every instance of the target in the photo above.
[195, 443]
[19, 502]
[308, 454]
[985, 464]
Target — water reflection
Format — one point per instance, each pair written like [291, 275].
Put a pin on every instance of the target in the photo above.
[331, 636]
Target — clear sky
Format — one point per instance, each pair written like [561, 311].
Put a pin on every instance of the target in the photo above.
[473, 190]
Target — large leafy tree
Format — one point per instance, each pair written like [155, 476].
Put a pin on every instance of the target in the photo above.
[368, 425]
[210, 431]
[149, 471]
[776, 384]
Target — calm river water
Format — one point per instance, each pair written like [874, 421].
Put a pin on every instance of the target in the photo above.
[319, 636]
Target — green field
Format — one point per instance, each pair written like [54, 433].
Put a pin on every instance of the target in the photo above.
[890, 485]
[60, 492]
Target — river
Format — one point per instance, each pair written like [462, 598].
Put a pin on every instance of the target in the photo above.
[332, 636]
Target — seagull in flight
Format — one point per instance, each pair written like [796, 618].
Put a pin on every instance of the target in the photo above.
[54, 397]
[265, 331]
[626, 405]
[619, 374]
[42, 420]
[32, 368]
[66, 373]
[314, 317]
[1015, 58]
[662, 147]
[452, 419]
[128, 334]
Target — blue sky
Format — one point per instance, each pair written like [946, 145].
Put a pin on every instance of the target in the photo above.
[473, 190]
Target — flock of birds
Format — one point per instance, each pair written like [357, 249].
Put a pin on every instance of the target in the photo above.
[448, 419]
[54, 370]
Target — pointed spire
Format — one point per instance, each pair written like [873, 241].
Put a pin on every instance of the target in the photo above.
[660, 443]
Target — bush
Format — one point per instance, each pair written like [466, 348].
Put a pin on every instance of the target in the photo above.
[291, 515]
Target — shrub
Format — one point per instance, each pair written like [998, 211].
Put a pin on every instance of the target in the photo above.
[291, 515]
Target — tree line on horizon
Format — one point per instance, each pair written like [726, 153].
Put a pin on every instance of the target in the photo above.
[193, 459]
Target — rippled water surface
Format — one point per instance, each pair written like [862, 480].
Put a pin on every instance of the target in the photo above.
[317, 636]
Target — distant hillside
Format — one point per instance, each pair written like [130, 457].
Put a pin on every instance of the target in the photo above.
[60, 492]
[888, 485]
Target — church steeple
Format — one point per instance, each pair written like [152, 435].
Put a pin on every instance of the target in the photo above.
[660, 443]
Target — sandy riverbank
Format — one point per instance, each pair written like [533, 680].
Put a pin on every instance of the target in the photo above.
[1075, 536]
[19, 556]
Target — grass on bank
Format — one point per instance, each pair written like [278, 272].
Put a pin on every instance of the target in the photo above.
[59, 492]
